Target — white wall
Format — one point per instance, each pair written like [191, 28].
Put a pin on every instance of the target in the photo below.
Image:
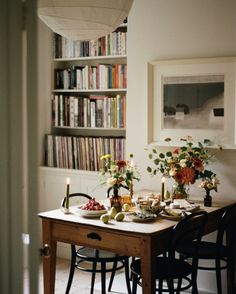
[176, 29]
[171, 29]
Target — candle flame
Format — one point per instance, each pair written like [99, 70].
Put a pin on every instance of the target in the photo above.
[68, 181]
[163, 179]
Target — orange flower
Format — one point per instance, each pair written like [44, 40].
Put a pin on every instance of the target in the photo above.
[188, 175]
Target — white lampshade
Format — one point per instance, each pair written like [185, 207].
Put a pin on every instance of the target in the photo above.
[83, 19]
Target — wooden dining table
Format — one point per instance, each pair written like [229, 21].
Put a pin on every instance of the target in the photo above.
[144, 240]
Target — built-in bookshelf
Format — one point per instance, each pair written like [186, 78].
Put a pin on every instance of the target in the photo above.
[88, 101]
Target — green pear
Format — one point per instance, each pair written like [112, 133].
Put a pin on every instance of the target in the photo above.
[105, 218]
[119, 216]
[113, 212]
[126, 207]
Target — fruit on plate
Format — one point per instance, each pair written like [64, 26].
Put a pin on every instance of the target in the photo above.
[119, 216]
[113, 212]
[126, 207]
[105, 218]
[93, 205]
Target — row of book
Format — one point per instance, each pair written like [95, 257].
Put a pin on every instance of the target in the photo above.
[93, 111]
[101, 76]
[81, 152]
[112, 44]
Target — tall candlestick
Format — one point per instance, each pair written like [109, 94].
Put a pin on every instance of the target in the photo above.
[162, 188]
[67, 193]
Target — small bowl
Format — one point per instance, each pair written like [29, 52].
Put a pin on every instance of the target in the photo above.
[147, 207]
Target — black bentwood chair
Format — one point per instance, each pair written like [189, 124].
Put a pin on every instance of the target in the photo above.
[223, 255]
[93, 257]
[170, 268]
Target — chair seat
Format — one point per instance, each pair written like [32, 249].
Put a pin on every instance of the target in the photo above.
[179, 268]
[206, 250]
[90, 254]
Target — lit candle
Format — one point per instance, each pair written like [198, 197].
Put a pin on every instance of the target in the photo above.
[131, 182]
[67, 192]
[162, 188]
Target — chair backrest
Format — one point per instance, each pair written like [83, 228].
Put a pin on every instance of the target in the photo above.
[228, 223]
[188, 229]
[111, 189]
[73, 195]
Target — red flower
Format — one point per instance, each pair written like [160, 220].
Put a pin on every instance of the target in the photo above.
[176, 151]
[179, 177]
[198, 164]
[121, 163]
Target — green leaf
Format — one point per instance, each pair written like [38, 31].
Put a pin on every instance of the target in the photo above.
[156, 161]
[150, 156]
[154, 150]
[206, 141]
[149, 169]
[168, 154]
[162, 155]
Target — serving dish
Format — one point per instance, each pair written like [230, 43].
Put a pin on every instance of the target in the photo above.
[90, 213]
[142, 218]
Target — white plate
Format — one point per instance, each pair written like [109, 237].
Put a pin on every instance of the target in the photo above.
[136, 217]
[90, 213]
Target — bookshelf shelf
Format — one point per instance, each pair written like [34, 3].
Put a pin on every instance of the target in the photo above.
[89, 90]
[88, 58]
[92, 129]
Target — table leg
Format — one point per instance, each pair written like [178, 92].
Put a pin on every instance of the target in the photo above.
[148, 270]
[49, 262]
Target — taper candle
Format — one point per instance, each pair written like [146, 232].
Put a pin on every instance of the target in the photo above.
[162, 188]
[67, 192]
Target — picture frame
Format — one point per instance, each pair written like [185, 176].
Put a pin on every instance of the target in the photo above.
[192, 97]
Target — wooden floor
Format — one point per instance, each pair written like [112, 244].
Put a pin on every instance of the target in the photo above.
[81, 281]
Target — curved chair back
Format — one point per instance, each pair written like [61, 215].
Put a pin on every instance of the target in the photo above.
[83, 195]
[228, 223]
[188, 229]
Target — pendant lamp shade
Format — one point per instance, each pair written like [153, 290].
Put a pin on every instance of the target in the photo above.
[83, 19]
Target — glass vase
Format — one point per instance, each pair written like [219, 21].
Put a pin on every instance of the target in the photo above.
[180, 191]
[116, 200]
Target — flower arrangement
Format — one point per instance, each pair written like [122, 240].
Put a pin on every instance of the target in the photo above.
[118, 173]
[184, 164]
[210, 183]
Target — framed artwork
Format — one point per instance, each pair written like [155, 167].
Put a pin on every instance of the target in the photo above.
[192, 97]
